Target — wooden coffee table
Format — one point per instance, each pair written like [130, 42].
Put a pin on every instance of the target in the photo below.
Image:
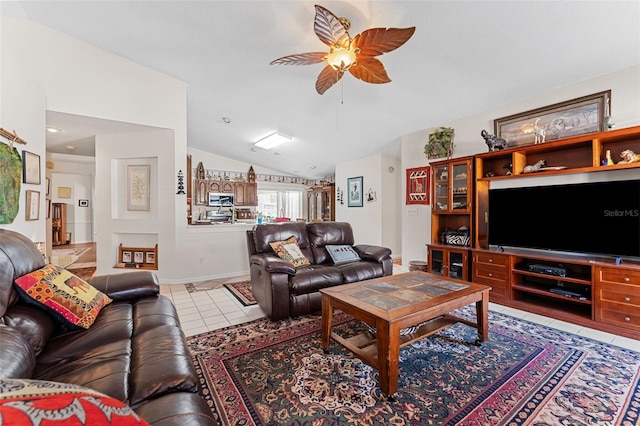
[402, 308]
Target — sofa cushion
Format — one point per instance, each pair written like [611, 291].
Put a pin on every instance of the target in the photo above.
[322, 234]
[342, 254]
[360, 271]
[71, 300]
[310, 279]
[289, 251]
[17, 358]
[33, 323]
[33, 402]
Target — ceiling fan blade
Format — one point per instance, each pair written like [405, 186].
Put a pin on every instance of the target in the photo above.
[329, 29]
[370, 70]
[376, 41]
[327, 78]
[300, 59]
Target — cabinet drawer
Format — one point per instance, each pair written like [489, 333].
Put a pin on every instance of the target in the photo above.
[492, 259]
[490, 274]
[611, 314]
[620, 276]
[614, 296]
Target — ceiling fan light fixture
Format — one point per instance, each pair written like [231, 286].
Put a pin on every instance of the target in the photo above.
[341, 59]
[273, 140]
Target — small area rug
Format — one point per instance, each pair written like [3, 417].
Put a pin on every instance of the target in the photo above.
[268, 373]
[65, 257]
[242, 291]
[84, 273]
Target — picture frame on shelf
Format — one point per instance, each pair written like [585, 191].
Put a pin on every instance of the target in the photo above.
[32, 211]
[126, 257]
[418, 185]
[138, 187]
[138, 257]
[558, 121]
[354, 191]
[30, 168]
[150, 257]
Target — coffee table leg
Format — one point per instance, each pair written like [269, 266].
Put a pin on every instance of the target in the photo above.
[482, 315]
[388, 340]
[327, 317]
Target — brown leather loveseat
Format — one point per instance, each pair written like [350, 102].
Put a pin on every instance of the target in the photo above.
[283, 290]
[134, 352]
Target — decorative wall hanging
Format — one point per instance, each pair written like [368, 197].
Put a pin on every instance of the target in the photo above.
[354, 188]
[32, 211]
[30, 168]
[440, 143]
[83, 203]
[180, 183]
[418, 185]
[10, 181]
[371, 196]
[570, 118]
[64, 192]
[138, 187]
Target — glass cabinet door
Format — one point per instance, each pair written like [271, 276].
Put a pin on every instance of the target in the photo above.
[459, 190]
[436, 261]
[441, 188]
[456, 265]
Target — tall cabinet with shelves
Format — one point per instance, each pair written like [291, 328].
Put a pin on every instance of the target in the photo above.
[320, 203]
[586, 290]
[451, 217]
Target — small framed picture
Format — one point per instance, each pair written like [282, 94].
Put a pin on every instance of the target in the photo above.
[354, 186]
[151, 257]
[83, 203]
[48, 183]
[64, 192]
[138, 257]
[30, 168]
[126, 257]
[32, 211]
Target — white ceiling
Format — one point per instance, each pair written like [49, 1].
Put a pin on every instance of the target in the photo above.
[465, 57]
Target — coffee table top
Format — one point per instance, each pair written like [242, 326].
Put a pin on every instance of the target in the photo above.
[395, 296]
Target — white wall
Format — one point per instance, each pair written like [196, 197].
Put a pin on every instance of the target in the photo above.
[625, 110]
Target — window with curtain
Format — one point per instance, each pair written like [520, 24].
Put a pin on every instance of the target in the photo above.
[274, 203]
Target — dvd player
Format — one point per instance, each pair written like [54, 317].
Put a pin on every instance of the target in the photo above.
[556, 271]
[567, 293]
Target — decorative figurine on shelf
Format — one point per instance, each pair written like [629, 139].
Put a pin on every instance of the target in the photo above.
[629, 156]
[200, 171]
[509, 167]
[540, 132]
[534, 168]
[608, 161]
[493, 142]
[251, 175]
[180, 183]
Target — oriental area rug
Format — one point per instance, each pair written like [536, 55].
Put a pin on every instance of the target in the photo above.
[273, 373]
[242, 291]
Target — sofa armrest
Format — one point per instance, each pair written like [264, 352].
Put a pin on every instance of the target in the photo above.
[271, 263]
[372, 253]
[128, 286]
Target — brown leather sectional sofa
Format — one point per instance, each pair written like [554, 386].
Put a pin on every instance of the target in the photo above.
[283, 290]
[135, 350]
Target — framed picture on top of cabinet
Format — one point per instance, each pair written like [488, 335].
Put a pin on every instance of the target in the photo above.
[587, 114]
[418, 185]
[354, 188]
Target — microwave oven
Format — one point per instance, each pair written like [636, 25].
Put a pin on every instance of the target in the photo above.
[220, 199]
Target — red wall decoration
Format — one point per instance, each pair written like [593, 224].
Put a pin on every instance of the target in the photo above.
[418, 185]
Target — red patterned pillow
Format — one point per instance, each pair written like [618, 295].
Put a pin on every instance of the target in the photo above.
[73, 301]
[37, 402]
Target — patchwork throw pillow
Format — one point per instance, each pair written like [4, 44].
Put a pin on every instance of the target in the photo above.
[38, 402]
[73, 301]
[289, 250]
[342, 253]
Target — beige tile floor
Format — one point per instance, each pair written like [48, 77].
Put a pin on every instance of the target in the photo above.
[212, 307]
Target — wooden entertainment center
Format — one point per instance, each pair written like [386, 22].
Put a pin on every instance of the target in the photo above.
[593, 291]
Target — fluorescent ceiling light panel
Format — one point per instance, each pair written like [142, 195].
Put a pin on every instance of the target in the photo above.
[273, 140]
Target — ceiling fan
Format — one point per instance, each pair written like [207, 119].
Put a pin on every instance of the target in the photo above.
[356, 55]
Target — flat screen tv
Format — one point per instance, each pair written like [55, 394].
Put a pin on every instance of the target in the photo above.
[601, 218]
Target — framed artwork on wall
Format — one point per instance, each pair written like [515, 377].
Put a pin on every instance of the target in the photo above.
[138, 190]
[64, 192]
[354, 188]
[30, 168]
[32, 211]
[418, 185]
[587, 114]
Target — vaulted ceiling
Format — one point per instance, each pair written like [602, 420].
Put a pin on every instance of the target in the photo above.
[465, 57]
